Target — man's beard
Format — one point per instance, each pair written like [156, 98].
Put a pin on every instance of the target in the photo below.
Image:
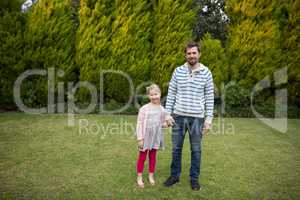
[193, 61]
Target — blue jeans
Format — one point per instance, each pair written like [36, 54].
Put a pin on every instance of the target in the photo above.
[194, 126]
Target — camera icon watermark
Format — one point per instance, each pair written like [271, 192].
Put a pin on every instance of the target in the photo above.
[279, 122]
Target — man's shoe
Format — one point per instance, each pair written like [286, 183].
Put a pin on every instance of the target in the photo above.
[171, 181]
[195, 185]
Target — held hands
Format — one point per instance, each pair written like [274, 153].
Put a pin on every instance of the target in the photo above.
[169, 121]
[165, 125]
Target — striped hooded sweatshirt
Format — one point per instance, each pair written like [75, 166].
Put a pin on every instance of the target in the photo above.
[191, 92]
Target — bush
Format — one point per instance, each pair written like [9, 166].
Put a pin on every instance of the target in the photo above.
[236, 96]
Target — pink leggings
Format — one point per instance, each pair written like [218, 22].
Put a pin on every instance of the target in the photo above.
[142, 158]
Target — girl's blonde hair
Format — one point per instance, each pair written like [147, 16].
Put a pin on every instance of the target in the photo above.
[153, 87]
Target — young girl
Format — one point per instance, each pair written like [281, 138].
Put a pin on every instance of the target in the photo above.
[151, 119]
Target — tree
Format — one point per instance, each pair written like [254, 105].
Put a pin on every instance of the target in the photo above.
[114, 36]
[211, 18]
[131, 47]
[263, 38]
[12, 24]
[49, 41]
[252, 48]
[213, 56]
[10, 6]
[94, 46]
[290, 38]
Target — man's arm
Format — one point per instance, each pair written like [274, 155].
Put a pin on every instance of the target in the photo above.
[171, 98]
[209, 101]
[172, 91]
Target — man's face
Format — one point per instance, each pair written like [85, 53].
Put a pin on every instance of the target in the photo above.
[192, 55]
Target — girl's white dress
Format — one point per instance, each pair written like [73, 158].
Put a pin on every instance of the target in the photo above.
[149, 126]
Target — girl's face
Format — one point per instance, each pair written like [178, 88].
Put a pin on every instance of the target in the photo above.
[154, 96]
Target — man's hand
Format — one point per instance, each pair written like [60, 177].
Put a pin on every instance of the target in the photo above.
[170, 121]
[207, 126]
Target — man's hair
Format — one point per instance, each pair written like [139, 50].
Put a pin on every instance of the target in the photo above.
[191, 45]
[153, 87]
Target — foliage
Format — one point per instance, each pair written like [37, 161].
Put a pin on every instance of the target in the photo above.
[211, 18]
[145, 40]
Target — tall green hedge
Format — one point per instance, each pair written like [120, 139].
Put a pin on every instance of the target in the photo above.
[290, 37]
[253, 49]
[144, 39]
[49, 42]
[213, 55]
[11, 52]
[131, 47]
[93, 46]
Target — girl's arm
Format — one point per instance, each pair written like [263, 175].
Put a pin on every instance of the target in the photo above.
[164, 118]
[140, 124]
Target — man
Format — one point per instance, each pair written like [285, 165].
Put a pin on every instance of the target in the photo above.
[190, 99]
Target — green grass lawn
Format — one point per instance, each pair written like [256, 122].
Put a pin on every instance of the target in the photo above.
[41, 157]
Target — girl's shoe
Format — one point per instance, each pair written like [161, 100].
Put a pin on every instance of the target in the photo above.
[151, 179]
[140, 182]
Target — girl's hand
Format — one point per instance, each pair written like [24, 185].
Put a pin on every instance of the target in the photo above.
[170, 121]
[165, 125]
[140, 144]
